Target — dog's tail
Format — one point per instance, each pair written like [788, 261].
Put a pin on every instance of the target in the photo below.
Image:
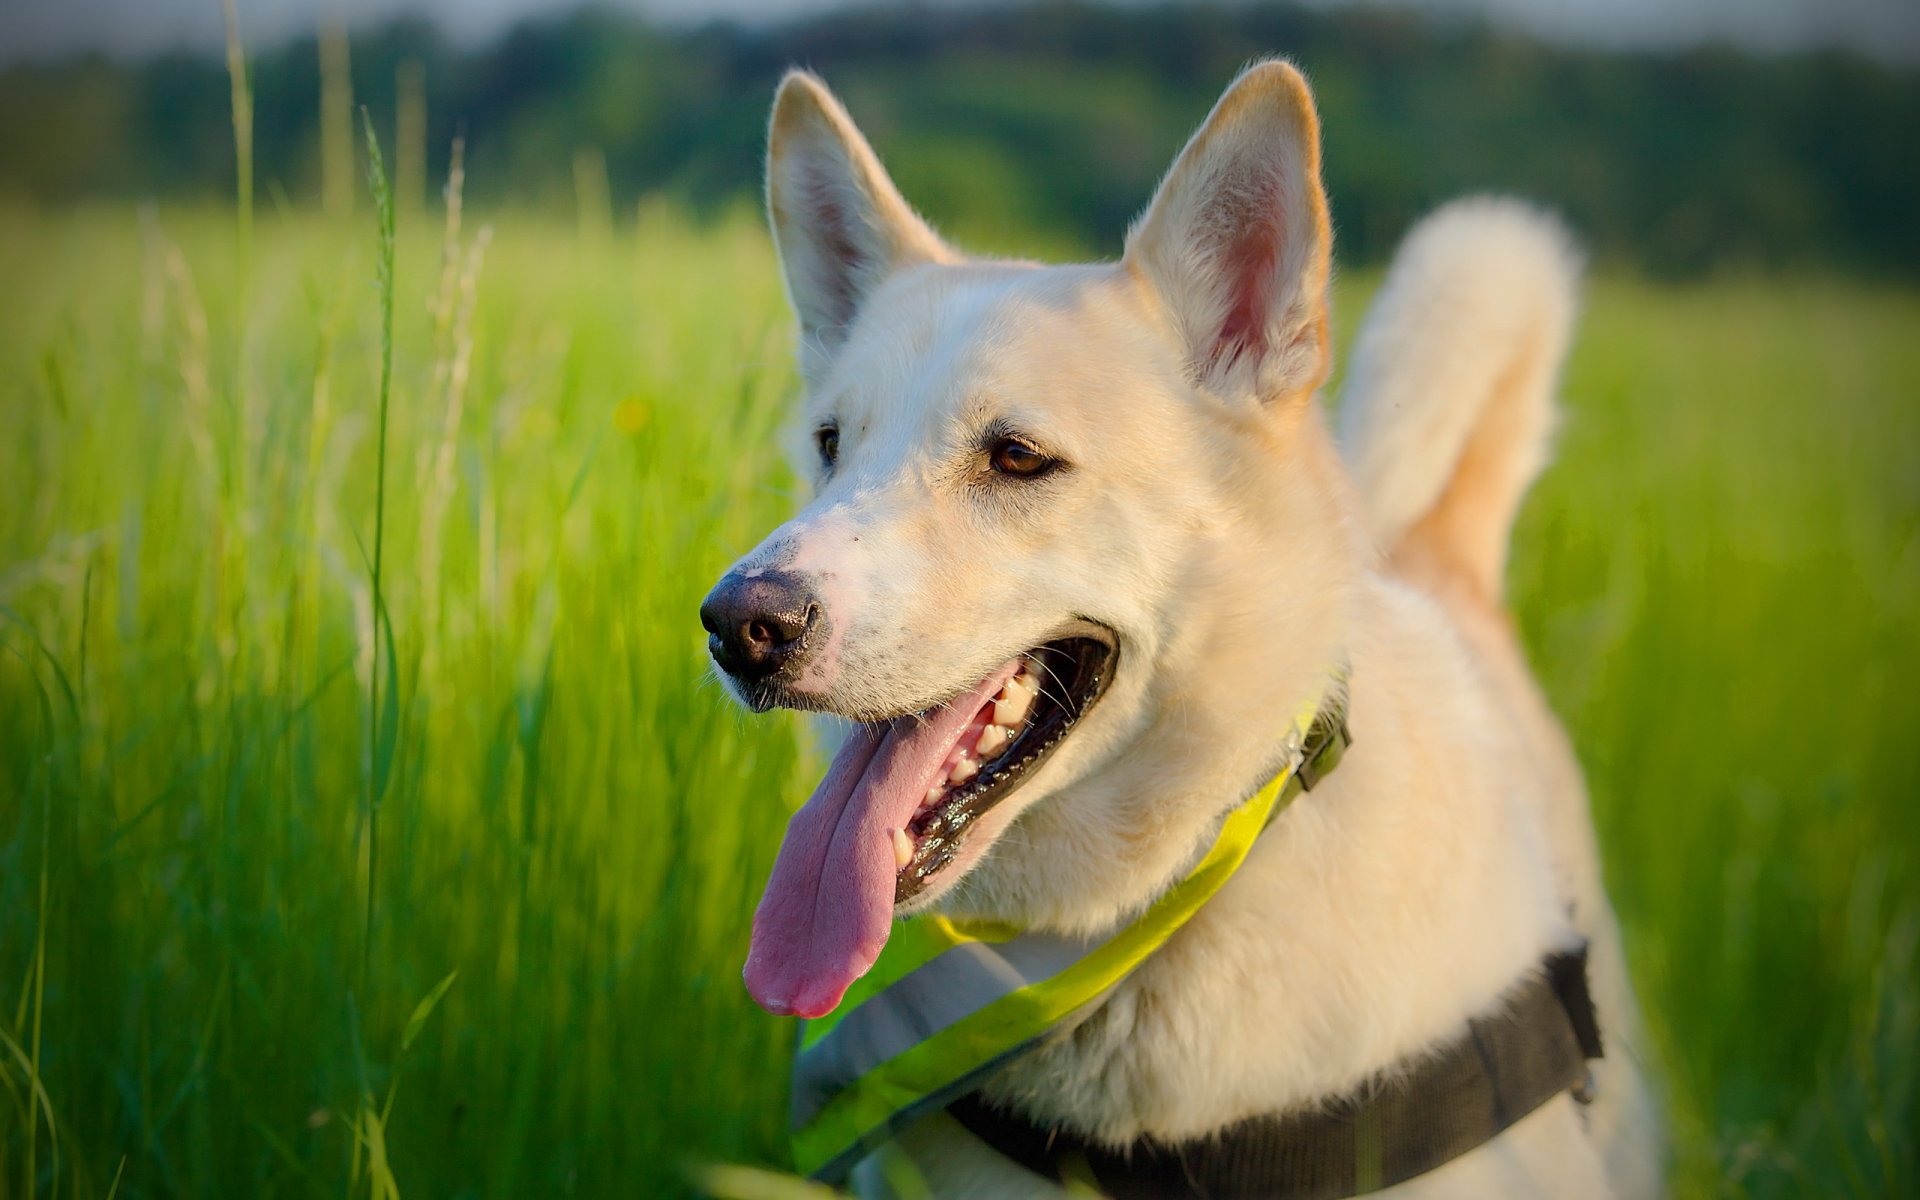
[1448, 408]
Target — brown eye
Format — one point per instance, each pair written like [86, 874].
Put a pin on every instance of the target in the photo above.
[1011, 456]
[827, 437]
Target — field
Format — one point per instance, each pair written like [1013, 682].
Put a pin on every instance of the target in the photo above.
[233, 884]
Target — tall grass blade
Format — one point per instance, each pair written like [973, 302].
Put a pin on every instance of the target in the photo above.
[60, 676]
[33, 996]
[39, 1104]
[241, 96]
[423, 1010]
[380, 748]
[237, 476]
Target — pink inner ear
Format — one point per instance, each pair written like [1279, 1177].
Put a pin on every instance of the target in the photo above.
[836, 276]
[1253, 234]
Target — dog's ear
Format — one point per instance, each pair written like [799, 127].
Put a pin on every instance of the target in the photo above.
[840, 224]
[1237, 244]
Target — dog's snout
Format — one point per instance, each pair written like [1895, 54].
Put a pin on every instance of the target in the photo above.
[757, 625]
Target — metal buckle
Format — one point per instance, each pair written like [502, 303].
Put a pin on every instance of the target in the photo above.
[1587, 1090]
[1322, 759]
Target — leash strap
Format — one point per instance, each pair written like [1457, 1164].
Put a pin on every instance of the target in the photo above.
[1506, 1065]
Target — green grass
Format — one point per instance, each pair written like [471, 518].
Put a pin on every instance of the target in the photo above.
[1720, 582]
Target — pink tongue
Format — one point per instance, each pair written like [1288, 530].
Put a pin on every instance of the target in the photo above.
[829, 903]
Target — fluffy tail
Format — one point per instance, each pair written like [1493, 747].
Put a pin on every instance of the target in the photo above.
[1448, 408]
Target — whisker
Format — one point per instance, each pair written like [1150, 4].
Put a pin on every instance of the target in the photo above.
[1066, 691]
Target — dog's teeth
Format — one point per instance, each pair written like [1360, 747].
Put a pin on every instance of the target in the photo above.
[963, 769]
[933, 795]
[1013, 703]
[993, 739]
[902, 848]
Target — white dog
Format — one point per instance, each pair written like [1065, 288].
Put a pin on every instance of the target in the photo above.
[1081, 548]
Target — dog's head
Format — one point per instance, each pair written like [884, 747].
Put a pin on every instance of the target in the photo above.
[1019, 472]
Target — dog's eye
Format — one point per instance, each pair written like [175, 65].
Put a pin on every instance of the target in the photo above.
[827, 437]
[1011, 456]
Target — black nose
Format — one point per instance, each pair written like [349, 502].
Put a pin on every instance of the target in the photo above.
[758, 625]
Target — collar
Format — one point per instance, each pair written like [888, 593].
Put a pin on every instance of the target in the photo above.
[1424, 1111]
[949, 1002]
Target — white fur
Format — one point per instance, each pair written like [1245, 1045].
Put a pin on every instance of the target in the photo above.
[841, 225]
[1206, 518]
[1223, 233]
[1465, 340]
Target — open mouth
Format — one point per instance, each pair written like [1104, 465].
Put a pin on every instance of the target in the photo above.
[895, 809]
[1010, 735]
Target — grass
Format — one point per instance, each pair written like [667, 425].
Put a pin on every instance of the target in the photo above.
[210, 986]
[1721, 586]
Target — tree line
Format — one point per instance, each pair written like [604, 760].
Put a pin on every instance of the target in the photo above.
[1052, 121]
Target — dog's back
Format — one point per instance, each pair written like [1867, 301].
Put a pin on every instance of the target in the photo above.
[1446, 421]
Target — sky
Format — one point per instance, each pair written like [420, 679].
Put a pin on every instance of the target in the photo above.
[48, 29]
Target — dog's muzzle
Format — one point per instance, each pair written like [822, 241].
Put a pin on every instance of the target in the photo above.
[760, 626]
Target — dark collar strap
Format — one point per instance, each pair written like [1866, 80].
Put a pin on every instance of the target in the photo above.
[1425, 1113]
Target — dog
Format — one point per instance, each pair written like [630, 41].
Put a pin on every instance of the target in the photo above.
[1020, 470]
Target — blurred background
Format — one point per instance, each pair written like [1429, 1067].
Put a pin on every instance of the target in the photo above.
[1679, 137]
[384, 382]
